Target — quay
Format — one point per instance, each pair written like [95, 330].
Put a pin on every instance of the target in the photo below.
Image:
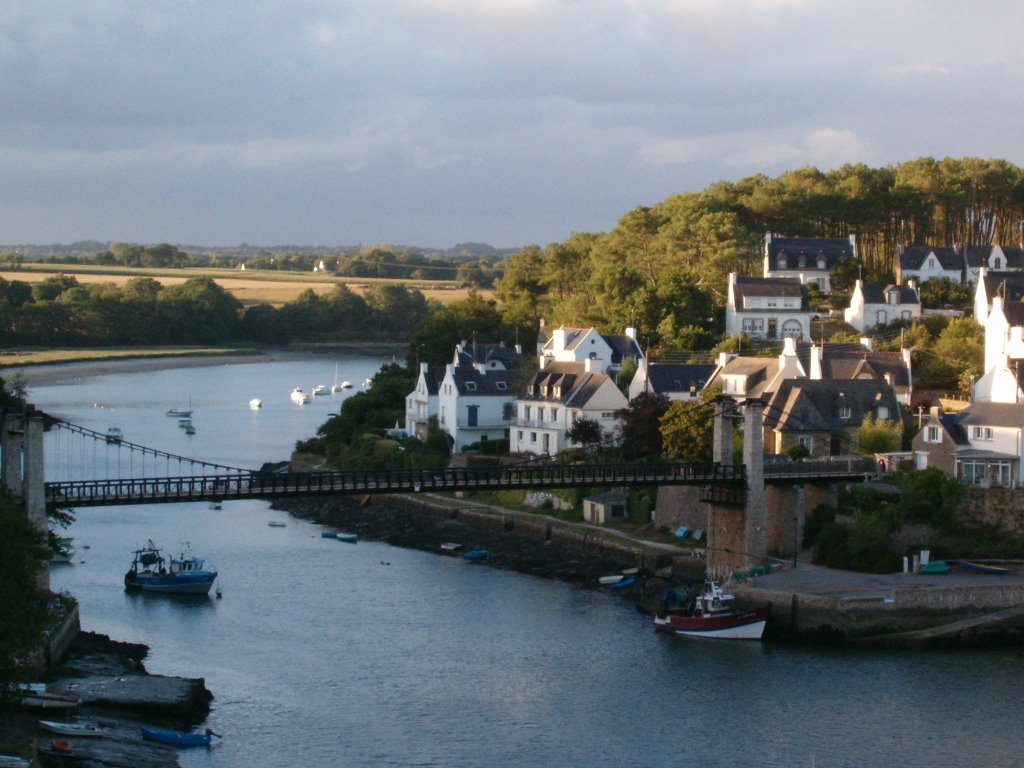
[810, 603]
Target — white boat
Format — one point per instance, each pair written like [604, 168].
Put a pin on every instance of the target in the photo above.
[82, 728]
[65, 553]
[43, 699]
[346, 385]
[713, 613]
[611, 579]
[276, 524]
[335, 387]
[255, 403]
[13, 761]
[320, 389]
[114, 435]
[300, 396]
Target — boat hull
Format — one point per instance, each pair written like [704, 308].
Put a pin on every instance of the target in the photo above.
[197, 583]
[83, 730]
[994, 570]
[46, 700]
[176, 738]
[741, 625]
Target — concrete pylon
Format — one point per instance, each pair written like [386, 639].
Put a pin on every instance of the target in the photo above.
[725, 412]
[33, 485]
[755, 510]
[10, 453]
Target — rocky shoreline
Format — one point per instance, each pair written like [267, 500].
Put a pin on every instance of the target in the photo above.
[118, 692]
[529, 543]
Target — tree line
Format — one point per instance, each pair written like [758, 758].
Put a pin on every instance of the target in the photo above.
[663, 268]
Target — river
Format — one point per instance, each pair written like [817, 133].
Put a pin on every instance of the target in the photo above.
[321, 653]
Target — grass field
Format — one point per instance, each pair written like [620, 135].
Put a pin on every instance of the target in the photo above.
[249, 287]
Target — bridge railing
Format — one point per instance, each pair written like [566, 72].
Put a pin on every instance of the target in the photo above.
[839, 466]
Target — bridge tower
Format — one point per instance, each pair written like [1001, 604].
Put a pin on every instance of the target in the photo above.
[737, 534]
[21, 471]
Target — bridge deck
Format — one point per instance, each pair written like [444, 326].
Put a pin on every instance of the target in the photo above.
[258, 485]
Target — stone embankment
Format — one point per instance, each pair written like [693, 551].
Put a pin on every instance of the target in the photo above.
[525, 542]
[117, 692]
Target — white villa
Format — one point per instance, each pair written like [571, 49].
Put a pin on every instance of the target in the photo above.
[874, 304]
[560, 394]
[923, 263]
[574, 345]
[768, 308]
[809, 260]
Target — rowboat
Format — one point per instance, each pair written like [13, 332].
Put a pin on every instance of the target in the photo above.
[347, 537]
[178, 738]
[967, 565]
[713, 614]
[450, 546]
[611, 579]
[49, 700]
[622, 584]
[80, 728]
[936, 566]
[276, 524]
[476, 554]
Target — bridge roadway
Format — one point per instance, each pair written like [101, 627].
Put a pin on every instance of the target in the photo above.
[268, 485]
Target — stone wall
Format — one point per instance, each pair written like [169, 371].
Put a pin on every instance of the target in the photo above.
[1001, 508]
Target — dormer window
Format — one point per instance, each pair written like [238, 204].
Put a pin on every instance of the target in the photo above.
[882, 412]
[782, 262]
[802, 262]
[821, 262]
[501, 386]
[997, 263]
[471, 386]
[845, 412]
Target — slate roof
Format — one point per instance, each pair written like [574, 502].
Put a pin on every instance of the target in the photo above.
[759, 371]
[950, 422]
[433, 377]
[877, 293]
[470, 353]
[674, 377]
[576, 385]
[833, 249]
[913, 257]
[1009, 285]
[977, 255]
[843, 362]
[990, 414]
[471, 382]
[788, 287]
[804, 405]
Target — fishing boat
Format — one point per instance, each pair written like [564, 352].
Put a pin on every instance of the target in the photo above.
[152, 571]
[114, 435]
[967, 565]
[712, 614]
[178, 738]
[78, 728]
[255, 403]
[299, 396]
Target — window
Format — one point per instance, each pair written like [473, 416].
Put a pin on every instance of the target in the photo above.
[882, 412]
[845, 412]
[997, 263]
[905, 314]
[782, 262]
[472, 413]
[881, 317]
[807, 442]
[983, 433]
[501, 386]
[519, 435]
[471, 386]
[772, 303]
[554, 414]
[533, 437]
[932, 435]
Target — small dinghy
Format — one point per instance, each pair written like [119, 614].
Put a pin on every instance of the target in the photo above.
[178, 738]
[80, 728]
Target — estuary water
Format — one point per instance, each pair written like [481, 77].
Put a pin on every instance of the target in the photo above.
[321, 653]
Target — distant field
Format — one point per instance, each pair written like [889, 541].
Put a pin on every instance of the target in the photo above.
[249, 287]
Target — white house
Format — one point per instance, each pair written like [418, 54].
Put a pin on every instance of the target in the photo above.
[574, 345]
[924, 262]
[421, 403]
[473, 405]
[559, 395]
[677, 381]
[874, 304]
[768, 308]
[993, 453]
[1008, 285]
[807, 259]
[994, 258]
[751, 377]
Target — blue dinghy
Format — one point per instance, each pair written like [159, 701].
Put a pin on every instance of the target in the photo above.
[178, 738]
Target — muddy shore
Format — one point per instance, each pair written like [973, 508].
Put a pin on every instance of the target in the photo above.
[119, 694]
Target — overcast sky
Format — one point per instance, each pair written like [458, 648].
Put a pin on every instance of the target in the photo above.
[434, 122]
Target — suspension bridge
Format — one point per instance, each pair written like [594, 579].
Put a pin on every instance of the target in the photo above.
[103, 471]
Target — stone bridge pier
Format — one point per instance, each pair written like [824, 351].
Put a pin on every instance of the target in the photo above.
[747, 525]
[21, 471]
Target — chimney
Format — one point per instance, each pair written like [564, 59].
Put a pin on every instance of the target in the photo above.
[815, 362]
[631, 333]
[789, 347]
[558, 337]
[865, 341]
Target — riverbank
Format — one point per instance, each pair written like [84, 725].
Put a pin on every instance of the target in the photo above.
[117, 691]
[34, 370]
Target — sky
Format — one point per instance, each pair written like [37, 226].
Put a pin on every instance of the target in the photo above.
[436, 122]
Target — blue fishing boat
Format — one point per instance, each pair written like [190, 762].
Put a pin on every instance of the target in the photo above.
[152, 571]
[967, 565]
[178, 738]
[476, 554]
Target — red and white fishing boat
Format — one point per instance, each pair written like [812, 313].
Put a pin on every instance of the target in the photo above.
[714, 614]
